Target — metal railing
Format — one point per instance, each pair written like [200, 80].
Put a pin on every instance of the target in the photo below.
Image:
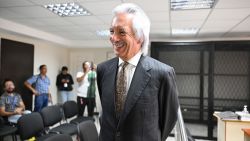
[180, 132]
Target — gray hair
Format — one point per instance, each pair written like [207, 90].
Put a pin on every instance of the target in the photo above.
[140, 23]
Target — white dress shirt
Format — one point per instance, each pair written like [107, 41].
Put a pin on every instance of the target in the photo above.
[130, 69]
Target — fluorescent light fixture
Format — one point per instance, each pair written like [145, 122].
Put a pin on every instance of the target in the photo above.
[191, 4]
[184, 31]
[67, 9]
[103, 33]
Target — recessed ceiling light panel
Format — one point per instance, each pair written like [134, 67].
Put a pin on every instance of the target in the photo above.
[67, 9]
[191, 4]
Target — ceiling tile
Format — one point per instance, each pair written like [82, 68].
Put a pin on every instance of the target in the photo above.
[8, 14]
[158, 16]
[90, 27]
[160, 31]
[66, 28]
[99, 27]
[152, 6]
[100, 7]
[84, 20]
[33, 12]
[12, 3]
[62, 28]
[232, 4]
[243, 27]
[49, 28]
[159, 25]
[74, 35]
[189, 15]
[186, 24]
[53, 21]
[106, 19]
[28, 22]
[228, 15]
[37, 22]
[223, 14]
[220, 24]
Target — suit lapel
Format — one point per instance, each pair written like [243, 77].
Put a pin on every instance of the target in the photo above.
[139, 82]
[110, 83]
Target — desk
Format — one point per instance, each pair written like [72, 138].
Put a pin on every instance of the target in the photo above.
[230, 130]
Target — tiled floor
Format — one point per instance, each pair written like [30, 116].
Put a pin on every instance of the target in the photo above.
[199, 129]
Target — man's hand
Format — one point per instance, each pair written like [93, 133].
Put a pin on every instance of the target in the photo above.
[35, 92]
[19, 111]
[63, 80]
[49, 97]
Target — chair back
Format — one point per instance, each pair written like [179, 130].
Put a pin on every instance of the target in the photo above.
[2, 122]
[70, 109]
[51, 115]
[30, 125]
[87, 131]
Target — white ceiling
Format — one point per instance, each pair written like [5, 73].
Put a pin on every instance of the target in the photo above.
[228, 19]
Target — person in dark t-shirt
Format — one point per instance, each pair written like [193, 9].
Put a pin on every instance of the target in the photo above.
[64, 84]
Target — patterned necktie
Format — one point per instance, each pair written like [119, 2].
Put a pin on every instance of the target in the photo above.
[121, 87]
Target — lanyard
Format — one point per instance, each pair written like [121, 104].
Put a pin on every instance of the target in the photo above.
[12, 101]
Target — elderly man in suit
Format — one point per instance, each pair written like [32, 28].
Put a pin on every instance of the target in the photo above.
[138, 94]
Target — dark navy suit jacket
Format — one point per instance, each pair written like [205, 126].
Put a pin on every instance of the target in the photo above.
[150, 110]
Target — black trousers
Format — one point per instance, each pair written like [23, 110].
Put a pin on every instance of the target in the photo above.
[83, 102]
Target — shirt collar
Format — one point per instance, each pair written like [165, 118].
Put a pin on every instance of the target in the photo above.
[8, 94]
[133, 61]
[39, 75]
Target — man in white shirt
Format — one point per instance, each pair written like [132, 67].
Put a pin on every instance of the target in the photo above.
[82, 90]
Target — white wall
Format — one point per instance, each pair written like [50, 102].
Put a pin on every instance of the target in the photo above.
[79, 55]
[53, 55]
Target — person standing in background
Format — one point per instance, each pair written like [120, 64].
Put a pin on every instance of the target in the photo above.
[91, 90]
[64, 84]
[40, 88]
[83, 85]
